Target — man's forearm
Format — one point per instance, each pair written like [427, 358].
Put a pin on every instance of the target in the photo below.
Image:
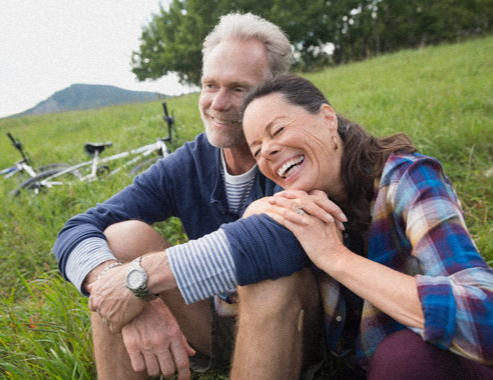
[160, 277]
[262, 249]
[203, 267]
[240, 253]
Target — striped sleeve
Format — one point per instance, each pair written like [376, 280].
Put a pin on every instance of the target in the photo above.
[84, 258]
[203, 267]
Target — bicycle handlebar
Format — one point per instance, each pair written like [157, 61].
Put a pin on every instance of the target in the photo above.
[170, 120]
[17, 145]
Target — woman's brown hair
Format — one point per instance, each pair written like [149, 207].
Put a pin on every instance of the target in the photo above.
[364, 155]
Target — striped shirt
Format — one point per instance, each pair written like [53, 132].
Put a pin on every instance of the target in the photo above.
[237, 186]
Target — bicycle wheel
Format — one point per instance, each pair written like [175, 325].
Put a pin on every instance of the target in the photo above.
[59, 166]
[52, 166]
[35, 184]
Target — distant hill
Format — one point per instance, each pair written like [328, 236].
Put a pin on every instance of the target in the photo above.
[87, 96]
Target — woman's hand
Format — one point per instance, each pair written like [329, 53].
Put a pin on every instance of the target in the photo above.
[317, 230]
[315, 203]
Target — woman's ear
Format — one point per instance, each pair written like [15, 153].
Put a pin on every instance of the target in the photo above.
[329, 114]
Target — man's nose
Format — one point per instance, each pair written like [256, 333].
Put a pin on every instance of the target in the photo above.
[221, 100]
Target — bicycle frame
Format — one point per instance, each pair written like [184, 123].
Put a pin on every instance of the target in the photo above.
[51, 178]
[141, 152]
[21, 165]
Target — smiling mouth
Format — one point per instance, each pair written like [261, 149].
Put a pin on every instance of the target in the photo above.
[223, 122]
[227, 120]
[289, 167]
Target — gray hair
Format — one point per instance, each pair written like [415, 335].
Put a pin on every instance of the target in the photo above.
[244, 27]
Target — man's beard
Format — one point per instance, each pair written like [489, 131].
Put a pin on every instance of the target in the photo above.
[231, 138]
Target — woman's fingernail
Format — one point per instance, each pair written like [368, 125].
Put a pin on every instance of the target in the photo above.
[342, 217]
[329, 218]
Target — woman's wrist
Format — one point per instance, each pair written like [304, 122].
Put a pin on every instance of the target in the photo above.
[335, 263]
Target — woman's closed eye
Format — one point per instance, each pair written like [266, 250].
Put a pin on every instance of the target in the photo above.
[277, 131]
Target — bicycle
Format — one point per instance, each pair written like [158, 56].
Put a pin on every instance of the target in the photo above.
[98, 166]
[24, 166]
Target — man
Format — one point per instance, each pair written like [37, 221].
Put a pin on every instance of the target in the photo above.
[205, 183]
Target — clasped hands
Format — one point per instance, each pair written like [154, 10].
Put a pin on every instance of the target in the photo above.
[296, 205]
[151, 334]
[312, 217]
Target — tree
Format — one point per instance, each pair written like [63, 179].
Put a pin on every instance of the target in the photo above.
[357, 29]
[173, 41]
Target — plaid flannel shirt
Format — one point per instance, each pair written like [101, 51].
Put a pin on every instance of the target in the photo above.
[418, 228]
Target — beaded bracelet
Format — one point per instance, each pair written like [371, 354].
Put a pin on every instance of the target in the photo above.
[107, 269]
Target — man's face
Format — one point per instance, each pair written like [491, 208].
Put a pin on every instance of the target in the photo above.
[229, 72]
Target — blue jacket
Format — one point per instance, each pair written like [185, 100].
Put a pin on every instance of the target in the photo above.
[187, 184]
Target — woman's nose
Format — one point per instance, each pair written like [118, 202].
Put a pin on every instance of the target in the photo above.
[269, 150]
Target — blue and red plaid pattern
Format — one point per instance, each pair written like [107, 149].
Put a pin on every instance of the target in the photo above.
[418, 228]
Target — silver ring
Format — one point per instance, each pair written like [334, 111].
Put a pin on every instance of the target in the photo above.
[300, 211]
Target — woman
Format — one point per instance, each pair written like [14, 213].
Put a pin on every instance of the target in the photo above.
[406, 271]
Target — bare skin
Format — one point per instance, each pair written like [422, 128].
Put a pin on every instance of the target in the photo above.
[279, 327]
[150, 344]
[280, 323]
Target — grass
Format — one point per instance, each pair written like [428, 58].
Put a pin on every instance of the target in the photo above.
[441, 96]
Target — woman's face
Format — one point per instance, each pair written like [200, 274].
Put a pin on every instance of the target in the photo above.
[292, 147]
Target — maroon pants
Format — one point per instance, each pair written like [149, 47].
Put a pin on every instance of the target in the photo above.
[405, 356]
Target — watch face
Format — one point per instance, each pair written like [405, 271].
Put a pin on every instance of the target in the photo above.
[136, 279]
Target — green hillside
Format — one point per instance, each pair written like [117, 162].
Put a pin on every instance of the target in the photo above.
[441, 96]
[89, 96]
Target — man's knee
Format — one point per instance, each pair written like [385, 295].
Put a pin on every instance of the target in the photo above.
[133, 238]
[284, 296]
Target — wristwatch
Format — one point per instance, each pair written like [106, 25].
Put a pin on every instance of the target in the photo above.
[137, 281]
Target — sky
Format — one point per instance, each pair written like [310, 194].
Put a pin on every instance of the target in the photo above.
[48, 45]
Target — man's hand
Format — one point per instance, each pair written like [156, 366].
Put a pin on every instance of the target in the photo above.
[156, 344]
[116, 304]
